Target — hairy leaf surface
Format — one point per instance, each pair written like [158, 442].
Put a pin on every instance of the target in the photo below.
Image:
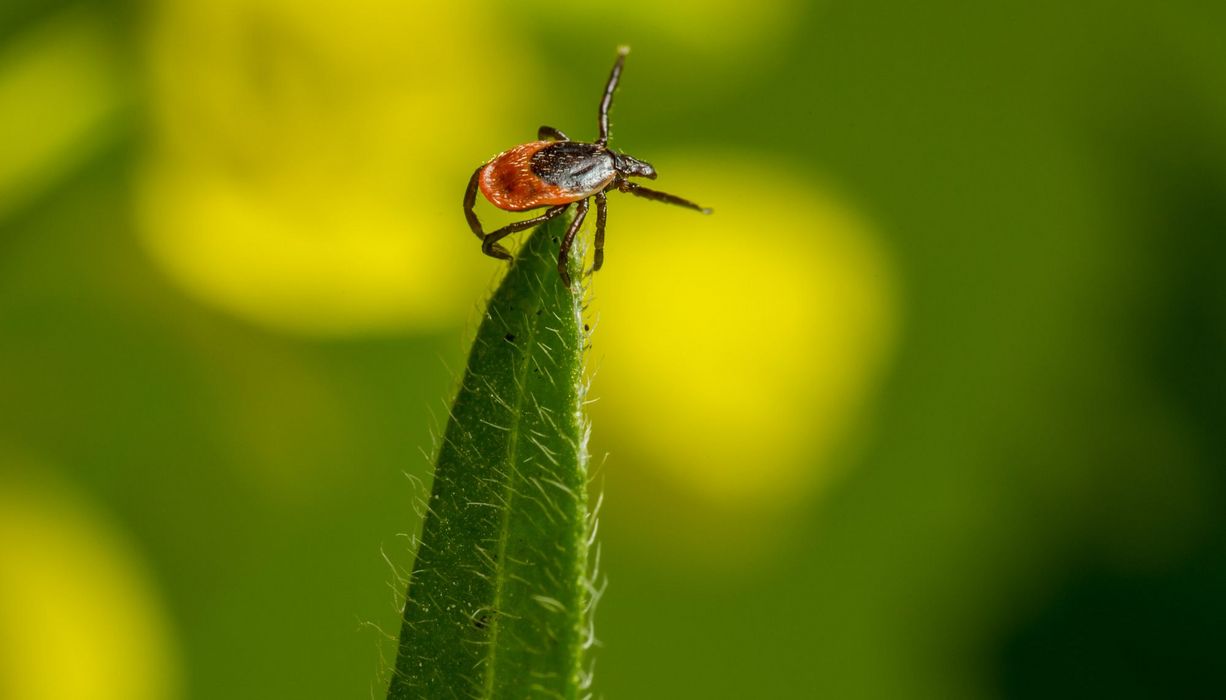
[498, 599]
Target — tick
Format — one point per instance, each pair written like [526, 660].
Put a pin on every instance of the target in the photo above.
[555, 172]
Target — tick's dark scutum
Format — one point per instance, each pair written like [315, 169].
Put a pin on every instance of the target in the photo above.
[574, 166]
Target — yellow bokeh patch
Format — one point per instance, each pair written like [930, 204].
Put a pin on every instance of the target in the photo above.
[724, 31]
[735, 350]
[79, 617]
[61, 93]
[309, 158]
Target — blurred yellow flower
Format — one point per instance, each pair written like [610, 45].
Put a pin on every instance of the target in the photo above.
[60, 94]
[310, 158]
[79, 617]
[703, 40]
[735, 350]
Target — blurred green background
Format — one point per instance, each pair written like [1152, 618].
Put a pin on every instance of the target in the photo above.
[932, 407]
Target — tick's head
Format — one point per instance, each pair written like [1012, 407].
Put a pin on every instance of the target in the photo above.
[628, 166]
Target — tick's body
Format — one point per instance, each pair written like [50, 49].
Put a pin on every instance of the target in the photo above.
[545, 173]
[556, 172]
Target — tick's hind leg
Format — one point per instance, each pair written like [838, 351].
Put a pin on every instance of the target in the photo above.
[470, 201]
[602, 213]
[548, 133]
[489, 242]
[568, 239]
[640, 191]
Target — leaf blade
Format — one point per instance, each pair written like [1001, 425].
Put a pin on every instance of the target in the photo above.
[496, 606]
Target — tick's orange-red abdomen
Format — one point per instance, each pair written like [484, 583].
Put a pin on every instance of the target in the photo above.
[509, 182]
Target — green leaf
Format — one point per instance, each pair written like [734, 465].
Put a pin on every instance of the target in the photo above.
[498, 601]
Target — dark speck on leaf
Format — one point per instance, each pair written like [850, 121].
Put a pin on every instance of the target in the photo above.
[585, 328]
[482, 621]
[510, 337]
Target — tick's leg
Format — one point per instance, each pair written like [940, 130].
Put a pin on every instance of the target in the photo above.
[602, 213]
[639, 191]
[568, 239]
[548, 133]
[489, 244]
[607, 99]
[470, 201]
